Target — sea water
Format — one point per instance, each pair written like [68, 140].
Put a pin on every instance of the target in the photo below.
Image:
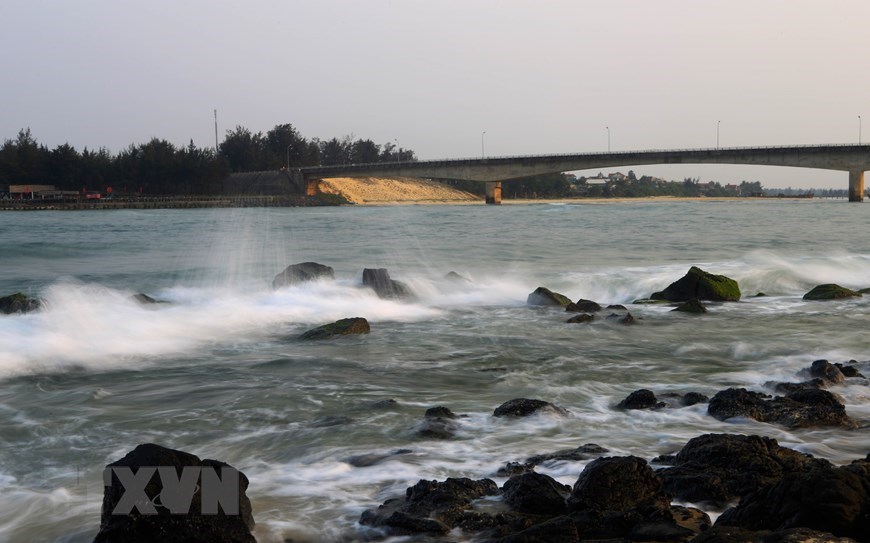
[218, 370]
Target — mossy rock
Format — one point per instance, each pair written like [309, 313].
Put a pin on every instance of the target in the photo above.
[830, 291]
[545, 296]
[343, 327]
[18, 303]
[691, 306]
[700, 285]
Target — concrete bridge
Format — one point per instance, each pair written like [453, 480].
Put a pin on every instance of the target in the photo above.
[854, 159]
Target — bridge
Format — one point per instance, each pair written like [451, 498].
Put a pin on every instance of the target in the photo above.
[854, 159]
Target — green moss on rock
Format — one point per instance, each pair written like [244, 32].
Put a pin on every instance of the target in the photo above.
[830, 291]
[545, 296]
[343, 327]
[700, 285]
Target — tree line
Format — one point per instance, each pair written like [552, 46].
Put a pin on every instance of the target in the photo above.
[160, 167]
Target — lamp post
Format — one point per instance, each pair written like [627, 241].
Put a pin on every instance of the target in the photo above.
[717, 134]
[859, 130]
[608, 138]
[482, 149]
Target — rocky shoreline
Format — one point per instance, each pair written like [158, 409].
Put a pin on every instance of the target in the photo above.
[762, 492]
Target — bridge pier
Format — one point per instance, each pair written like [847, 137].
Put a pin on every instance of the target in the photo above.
[856, 186]
[493, 192]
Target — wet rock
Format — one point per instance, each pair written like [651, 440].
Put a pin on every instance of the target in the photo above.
[373, 459]
[691, 306]
[785, 388]
[834, 500]
[700, 285]
[581, 318]
[456, 278]
[429, 506]
[692, 398]
[546, 297]
[379, 280]
[733, 534]
[523, 407]
[301, 273]
[583, 306]
[583, 452]
[830, 291]
[827, 372]
[798, 409]
[617, 307]
[849, 371]
[535, 493]
[388, 403]
[438, 423]
[627, 318]
[560, 529]
[689, 517]
[18, 303]
[144, 299]
[641, 399]
[717, 468]
[225, 525]
[615, 483]
[343, 327]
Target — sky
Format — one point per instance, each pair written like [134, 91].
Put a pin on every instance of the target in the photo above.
[536, 76]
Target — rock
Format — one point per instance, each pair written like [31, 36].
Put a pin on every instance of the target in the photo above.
[692, 398]
[546, 297]
[429, 506]
[438, 423]
[628, 318]
[300, 273]
[556, 530]
[343, 327]
[583, 306]
[615, 483]
[827, 372]
[834, 500]
[535, 493]
[330, 421]
[717, 468]
[372, 459]
[581, 318]
[799, 409]
[849, 371]
[583, 452]
[196, 524]
[18, 303]
[617, 307]
[379, 281]
[830, 291]
[700, 285]
[523, 407]
[641, 399]
[144, 299]
[389, 403]
[691, 306]
[732, 534]
[456, 278]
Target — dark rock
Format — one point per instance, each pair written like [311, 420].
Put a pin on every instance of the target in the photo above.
[300, 273]
[515, 468]
[830, 291]
[760, 295]
[583, 306]
[523, 407]
[389, 403]
[583, 452]
[144, 299]
[546, 297]
[799, 409]
[698, 284]
[692, 398]
[628, 318]
[616, 307]
[849, 371]
[718, 468]
[728, 534]
[615, 483]
[456, 278]
[379, 280]
[343, 327]
[785, 388]
[640, 399]
[438, 423]
[366, 460]
[581, 318]
[18, 303]
[535, 493]
[691, 306]
[196, 525]
[430, 506]
[560, 529]
[829, 373]
[834, 500]
[689, 517]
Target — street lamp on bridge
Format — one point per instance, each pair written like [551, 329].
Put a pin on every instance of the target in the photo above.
[608, 138]
[717, 134]
[859, 130]
[482, 150]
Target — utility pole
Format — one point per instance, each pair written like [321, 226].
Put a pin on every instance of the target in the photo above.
[717, 134]
[215, 134]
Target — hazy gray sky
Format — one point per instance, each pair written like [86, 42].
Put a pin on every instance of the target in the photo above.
[537, 76]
